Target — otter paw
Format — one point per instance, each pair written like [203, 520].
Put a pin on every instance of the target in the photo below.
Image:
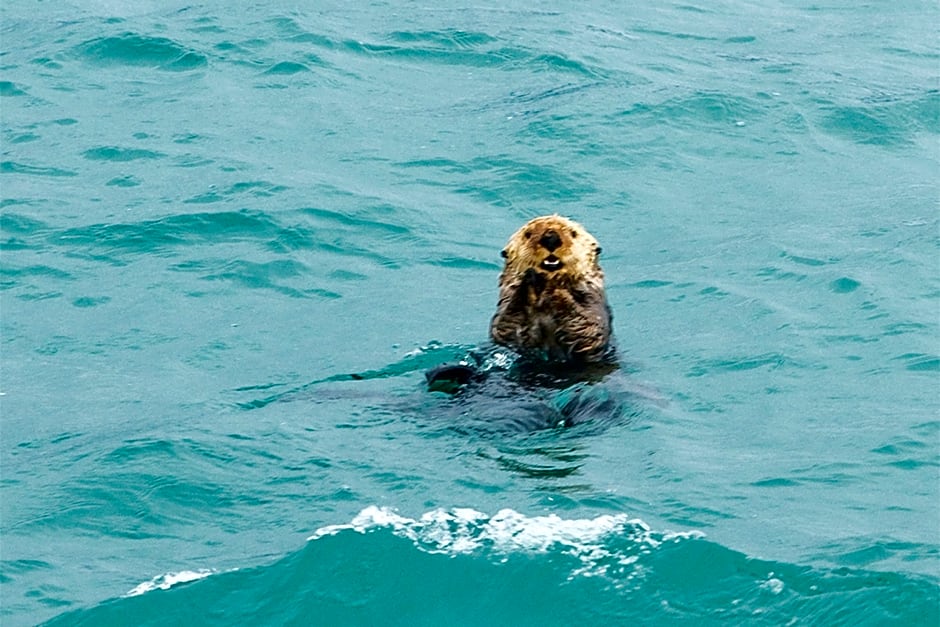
[450, 378]
[535, 280]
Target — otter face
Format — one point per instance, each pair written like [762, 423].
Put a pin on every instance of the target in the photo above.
[554, 245]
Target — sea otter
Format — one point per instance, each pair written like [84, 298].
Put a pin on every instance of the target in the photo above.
[551, 362]
[552, 306]
[552, 312]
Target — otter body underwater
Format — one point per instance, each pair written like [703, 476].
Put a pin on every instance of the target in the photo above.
[551, 332]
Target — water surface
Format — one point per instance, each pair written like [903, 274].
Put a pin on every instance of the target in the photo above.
[213, 214]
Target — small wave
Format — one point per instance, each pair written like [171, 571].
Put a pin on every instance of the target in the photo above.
[287, 68]
[14, 167]
[771, 361]
[700, 108]
[120, 154]
[420, 359]
[448, 38]
[163, 235]
[168, 580]
[510, 568]
[887, 121]
[138, 50]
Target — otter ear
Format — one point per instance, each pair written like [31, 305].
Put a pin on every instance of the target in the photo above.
[503, 253]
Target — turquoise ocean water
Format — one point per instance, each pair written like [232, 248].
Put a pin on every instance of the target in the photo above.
[214, 214]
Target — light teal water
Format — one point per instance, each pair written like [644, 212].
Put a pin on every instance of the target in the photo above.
[212, 215]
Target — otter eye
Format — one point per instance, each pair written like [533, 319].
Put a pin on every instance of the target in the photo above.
[527, 234]
[574, 234]
[503, 253]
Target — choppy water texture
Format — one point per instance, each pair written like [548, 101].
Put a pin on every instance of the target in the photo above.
[212, 215]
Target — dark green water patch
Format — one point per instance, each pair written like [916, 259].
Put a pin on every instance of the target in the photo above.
[779, 274]
[256, 188]
[46, 62]
[776, 482]
[844, 285]
[926, 111]
[9, 89]
[527, 180]
[429, 356]
[900, 447]
[648, 283]
[352, 220]
[123, 181]
[287, 68]
[163, 235]
[13, 167]
[703, 108]
[901, 328]
[40, 295]
[673, 35]
[444, 38]
[18, 223]
[12, 277]
[23, 138]
[270, 276]
[919, 362]
[741, 39]
[289, 28]
[866, 125]
[90, 301]
[136, 50]
[259, 189]
[772, 361]
[10, 569]
[866, 552]
[806, 261]
[120, 154]
[450, 49]
[463, 263]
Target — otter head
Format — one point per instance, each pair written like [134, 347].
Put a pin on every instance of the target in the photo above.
[555, 247]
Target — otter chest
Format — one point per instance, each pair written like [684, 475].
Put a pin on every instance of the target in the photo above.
[544, 322]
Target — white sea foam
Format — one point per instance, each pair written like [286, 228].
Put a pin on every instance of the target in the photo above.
[168, 580]
[596, 542]
[599, 544]
[773, 584]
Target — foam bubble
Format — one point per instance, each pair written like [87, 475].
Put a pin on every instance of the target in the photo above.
[774, 585]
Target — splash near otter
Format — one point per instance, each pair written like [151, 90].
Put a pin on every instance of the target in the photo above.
[552, 306]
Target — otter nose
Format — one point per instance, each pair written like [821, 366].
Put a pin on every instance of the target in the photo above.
[550, 241]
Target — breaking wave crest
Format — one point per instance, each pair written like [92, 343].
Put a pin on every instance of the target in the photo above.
[462, 565]
[593, 541]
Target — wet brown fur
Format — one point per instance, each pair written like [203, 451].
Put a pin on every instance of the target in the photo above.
[552, 303]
